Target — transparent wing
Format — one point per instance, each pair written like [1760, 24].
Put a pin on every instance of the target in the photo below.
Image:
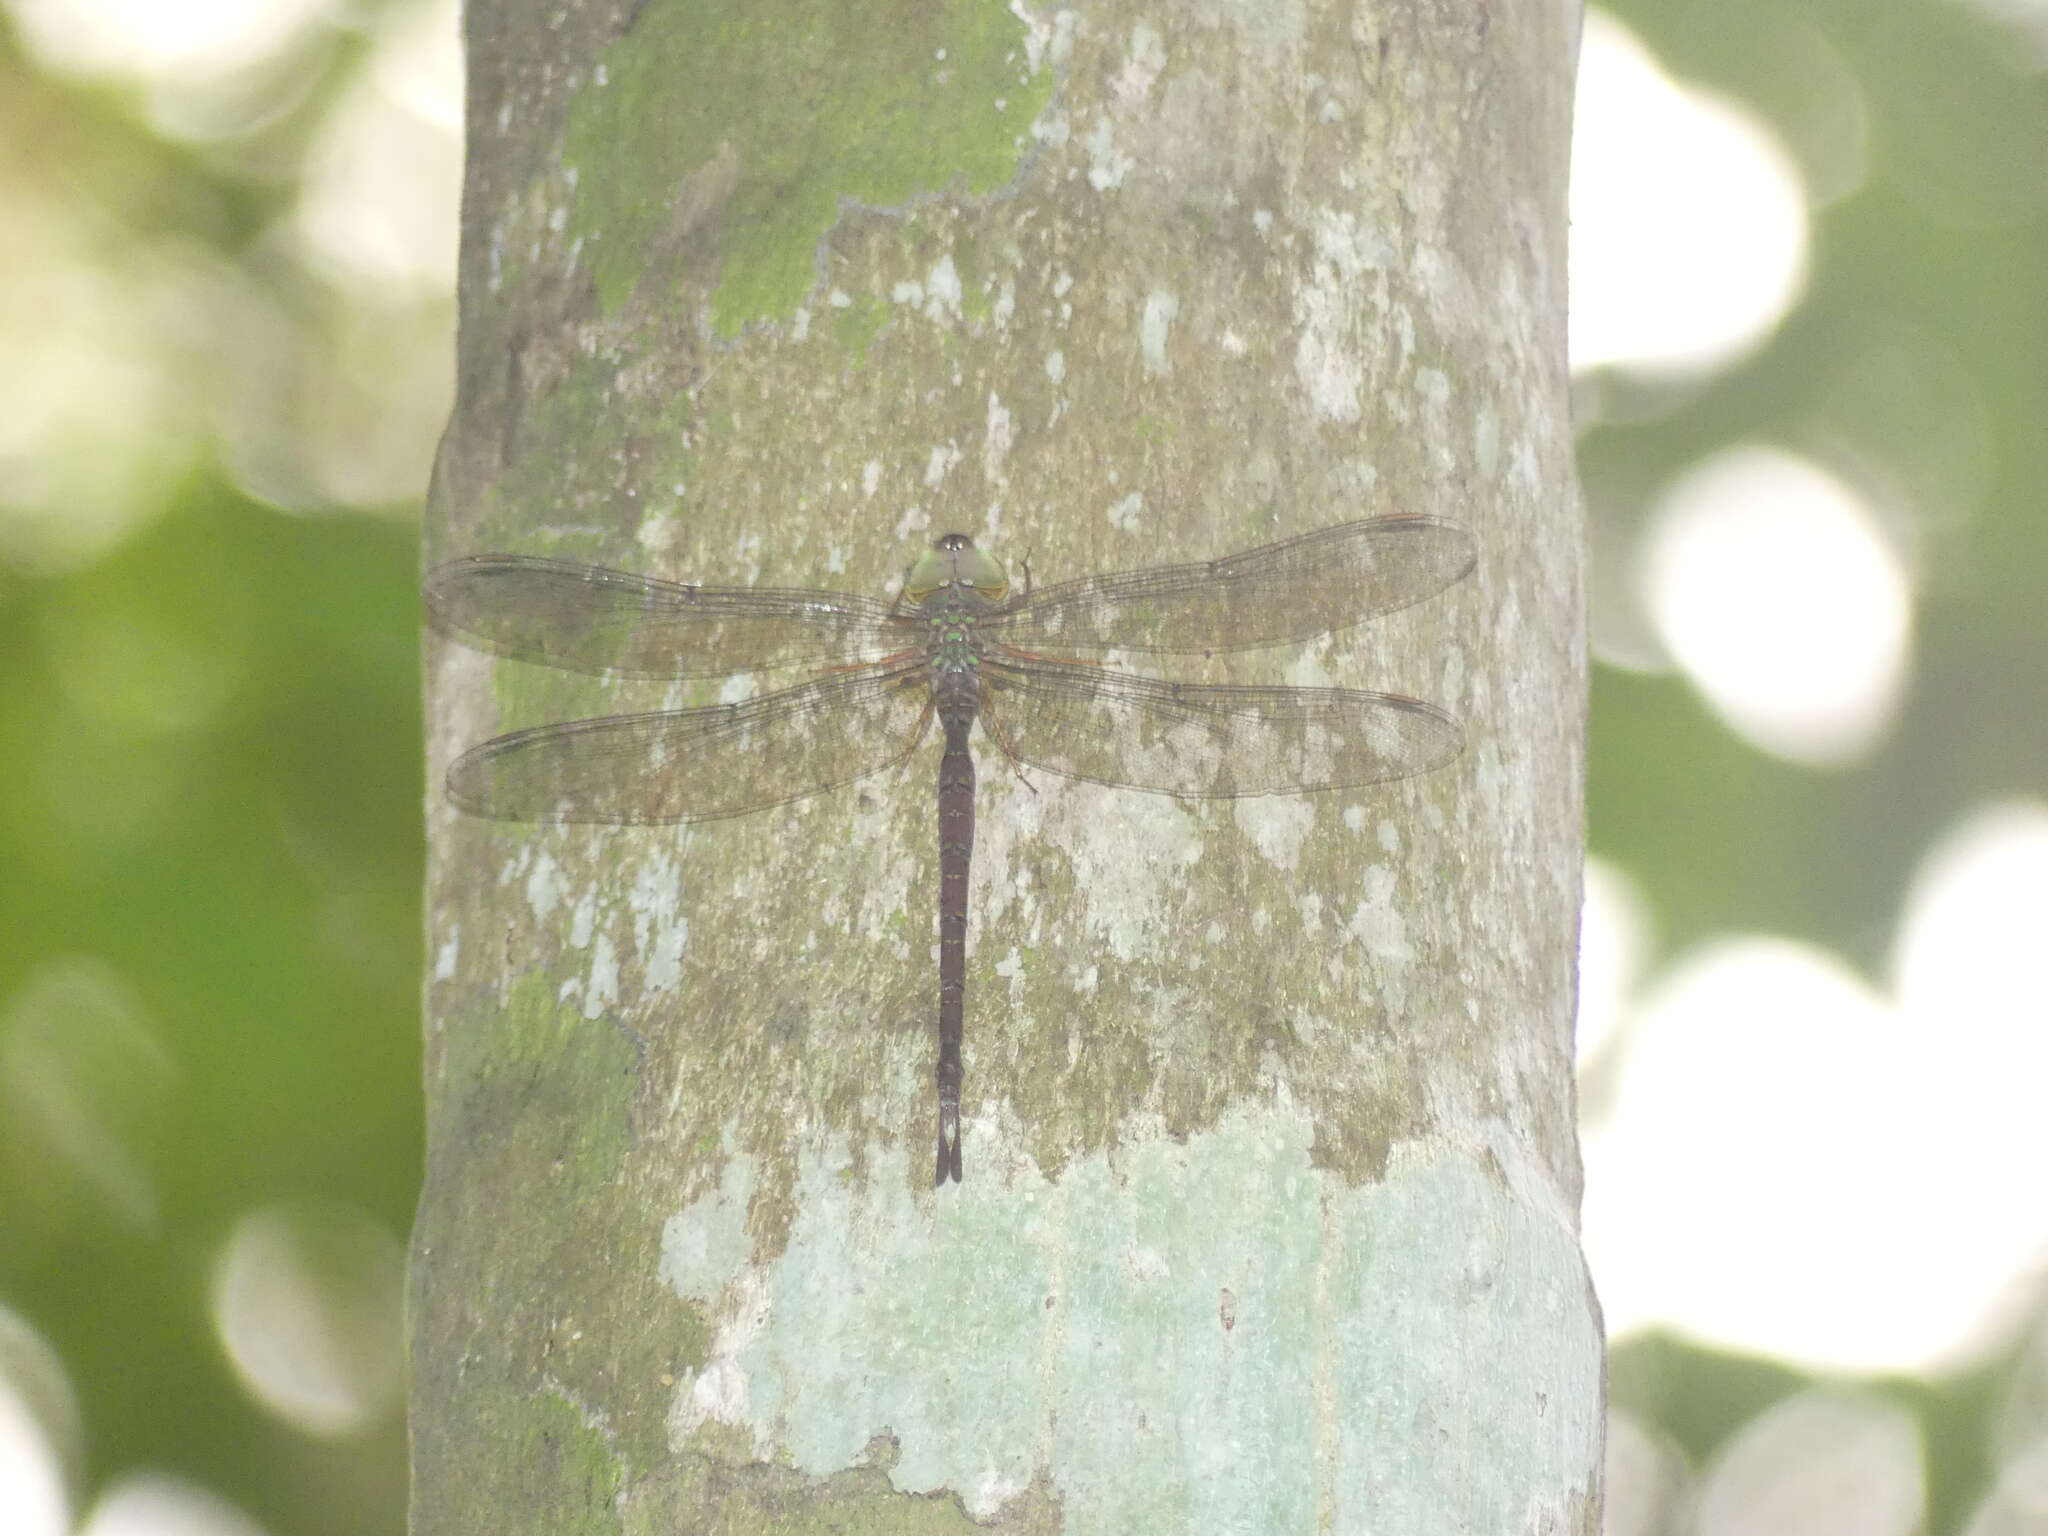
[1210, 742]
[589, 619]
[1290, 591]
[697, 764]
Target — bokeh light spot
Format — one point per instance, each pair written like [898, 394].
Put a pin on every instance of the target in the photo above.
[189, 43]
[2017, 1504]
[1797, 1165]
[1646, 1483]
[1967, 953]
[155, 1504]
[1772, 586]
[2020, 1432]
[1614, 935]
[39, 1438]
[32, 1501]
[384, 181]
[307, 1306]
[1688, 221]
[1826, 1462]
[89, 434]
[83, 1079]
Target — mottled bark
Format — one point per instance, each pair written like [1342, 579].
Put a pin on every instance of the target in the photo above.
[1269, 1218]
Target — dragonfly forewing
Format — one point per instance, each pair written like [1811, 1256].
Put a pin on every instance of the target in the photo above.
[698, 764]
[1222, 742]
[589, 619]
[1294, 590]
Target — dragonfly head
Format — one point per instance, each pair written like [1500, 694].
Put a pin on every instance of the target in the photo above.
[954, 561]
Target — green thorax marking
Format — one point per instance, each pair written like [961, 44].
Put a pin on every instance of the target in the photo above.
[954, 585]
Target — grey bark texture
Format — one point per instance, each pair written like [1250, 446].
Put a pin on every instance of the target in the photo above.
[1270, 1212]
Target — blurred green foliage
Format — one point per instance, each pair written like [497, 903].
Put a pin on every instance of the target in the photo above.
[1914, 364]
[1915, 358]
[213, 781]
[214, 795]
[211, 767]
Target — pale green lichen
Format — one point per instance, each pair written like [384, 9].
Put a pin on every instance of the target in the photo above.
[750, 129]
[855, 327]
[1284, 1290]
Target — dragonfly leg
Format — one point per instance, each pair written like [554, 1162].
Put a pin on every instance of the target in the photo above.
[902, 587]
[1064, 661]
[924, 723]
[991, 723]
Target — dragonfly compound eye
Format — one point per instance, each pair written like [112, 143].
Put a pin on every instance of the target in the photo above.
[983, 573]
[932, 571]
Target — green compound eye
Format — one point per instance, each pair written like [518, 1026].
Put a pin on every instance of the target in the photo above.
[983, 573]
[954, 558]
[932, 571]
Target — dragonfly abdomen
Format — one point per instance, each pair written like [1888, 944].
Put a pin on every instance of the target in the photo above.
[956, 856]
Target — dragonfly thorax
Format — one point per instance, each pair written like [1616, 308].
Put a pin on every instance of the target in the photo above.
[955, 585]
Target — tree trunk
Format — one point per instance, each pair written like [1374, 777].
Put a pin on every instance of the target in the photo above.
[1269, 1213]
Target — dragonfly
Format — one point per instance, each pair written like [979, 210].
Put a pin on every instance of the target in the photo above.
[956, 645]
